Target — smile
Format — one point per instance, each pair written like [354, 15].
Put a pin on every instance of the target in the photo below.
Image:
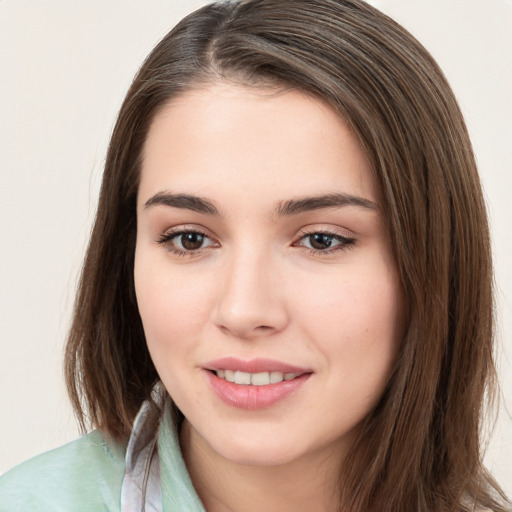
[255, 379]
[257, 389]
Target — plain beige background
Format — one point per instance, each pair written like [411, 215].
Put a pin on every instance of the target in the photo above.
[64, 68]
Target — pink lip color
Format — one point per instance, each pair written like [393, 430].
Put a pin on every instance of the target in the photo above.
[254, 397]
[253, 366]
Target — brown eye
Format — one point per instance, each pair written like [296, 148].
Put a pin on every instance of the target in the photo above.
[320, 241]
[190, 241]
[186, 242]
[325, 243]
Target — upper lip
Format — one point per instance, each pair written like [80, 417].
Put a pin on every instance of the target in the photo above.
[254, 365]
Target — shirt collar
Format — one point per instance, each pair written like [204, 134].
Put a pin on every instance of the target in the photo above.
[156, 477]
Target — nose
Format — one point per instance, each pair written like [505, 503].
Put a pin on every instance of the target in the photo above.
[252, 300]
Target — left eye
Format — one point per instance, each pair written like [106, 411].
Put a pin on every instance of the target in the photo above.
[325, 241]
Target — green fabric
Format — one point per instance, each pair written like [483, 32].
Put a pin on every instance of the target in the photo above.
[86, 475]
[83, 476]
[178, 493]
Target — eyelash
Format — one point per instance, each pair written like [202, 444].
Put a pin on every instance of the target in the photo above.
[345, 243]
[166, 239]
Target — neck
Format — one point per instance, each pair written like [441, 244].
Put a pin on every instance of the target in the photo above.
[307, 484]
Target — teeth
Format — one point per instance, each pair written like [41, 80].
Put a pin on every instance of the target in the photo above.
[255, 379]
[275, 377]
[260, 379]
[242, 377]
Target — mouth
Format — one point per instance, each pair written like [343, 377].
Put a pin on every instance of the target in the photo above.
[255, 384]
[255, 379]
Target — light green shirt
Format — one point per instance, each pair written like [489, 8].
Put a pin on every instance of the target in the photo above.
[92, 474]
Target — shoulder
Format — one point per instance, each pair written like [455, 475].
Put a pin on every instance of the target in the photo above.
[84, 475]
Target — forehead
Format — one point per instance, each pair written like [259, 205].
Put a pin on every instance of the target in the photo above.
[255, 140]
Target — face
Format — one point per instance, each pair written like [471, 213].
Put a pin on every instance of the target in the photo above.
[264, 275]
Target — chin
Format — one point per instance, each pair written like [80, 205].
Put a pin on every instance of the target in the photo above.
[268, 455]
[260, 446]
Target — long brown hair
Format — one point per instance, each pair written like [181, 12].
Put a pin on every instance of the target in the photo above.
[419, 449]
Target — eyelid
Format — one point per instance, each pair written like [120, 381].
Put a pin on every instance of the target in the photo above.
[186, 228]
[327, 229]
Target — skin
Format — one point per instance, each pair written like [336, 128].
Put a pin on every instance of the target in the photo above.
[255, 288]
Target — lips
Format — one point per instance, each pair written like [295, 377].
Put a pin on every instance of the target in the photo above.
[254, 365]
[254, 384]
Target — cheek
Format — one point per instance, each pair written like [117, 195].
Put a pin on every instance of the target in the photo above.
[356, 324]
[174, 308]
[367, 305]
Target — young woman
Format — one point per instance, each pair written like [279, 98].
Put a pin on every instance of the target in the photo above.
[286, 302]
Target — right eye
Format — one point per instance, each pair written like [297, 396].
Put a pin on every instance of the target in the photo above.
[186, 242]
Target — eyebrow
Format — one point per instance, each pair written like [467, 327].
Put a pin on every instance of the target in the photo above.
[337, 200]
[284, 208]
[185, 201]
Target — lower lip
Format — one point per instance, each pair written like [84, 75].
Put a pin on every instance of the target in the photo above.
[254, 397]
